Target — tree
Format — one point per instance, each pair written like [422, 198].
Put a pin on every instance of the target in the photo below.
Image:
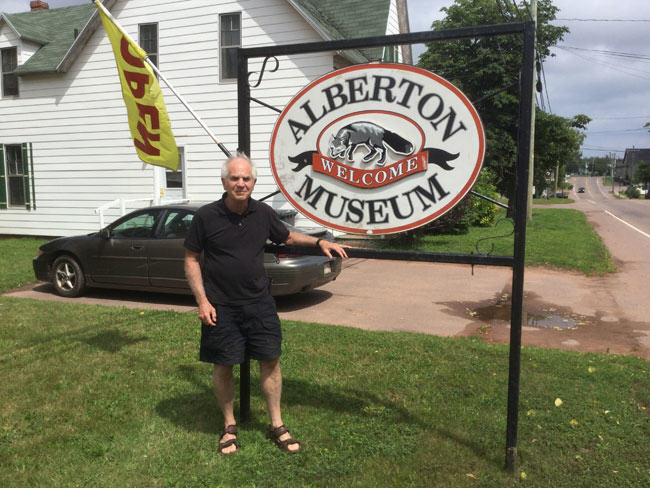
[597, 165]
[557, 144]
[487, 71]
[642, 174]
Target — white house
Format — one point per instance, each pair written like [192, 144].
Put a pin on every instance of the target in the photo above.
[65, 146]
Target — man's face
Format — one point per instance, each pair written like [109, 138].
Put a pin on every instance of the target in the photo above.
[240, 183]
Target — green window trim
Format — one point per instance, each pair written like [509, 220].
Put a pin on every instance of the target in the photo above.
[26, 154]
[26, 173]
[3, 181]
[31, 172]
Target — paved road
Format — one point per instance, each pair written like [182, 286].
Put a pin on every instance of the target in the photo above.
[565, 309]
[633, 212]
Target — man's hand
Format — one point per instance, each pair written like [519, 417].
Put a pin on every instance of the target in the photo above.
[298, 239]
[328, 247]
[207, 313]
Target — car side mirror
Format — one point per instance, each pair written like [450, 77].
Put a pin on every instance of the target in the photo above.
[105, 233]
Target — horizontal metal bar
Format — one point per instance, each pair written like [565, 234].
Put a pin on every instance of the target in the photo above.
[264, 104]
[432, 257]
[375, 41]
[266, 197]
[491, 200]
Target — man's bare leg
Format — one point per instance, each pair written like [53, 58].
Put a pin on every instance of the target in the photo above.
[224, 391]
[271, 382]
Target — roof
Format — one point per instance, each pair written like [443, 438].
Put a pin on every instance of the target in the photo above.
[56, 30]
[635, 155]
[337, 20]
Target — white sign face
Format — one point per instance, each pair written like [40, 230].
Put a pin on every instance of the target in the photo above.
[377, 148]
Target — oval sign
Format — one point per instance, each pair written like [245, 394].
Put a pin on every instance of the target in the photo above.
[377, 148]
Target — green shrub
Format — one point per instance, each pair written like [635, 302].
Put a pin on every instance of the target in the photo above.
[632, 192]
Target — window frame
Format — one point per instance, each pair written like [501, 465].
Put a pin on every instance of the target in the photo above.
[20, 151]
[223, 48]
[181, 169]
[9, 74]
[156, 54]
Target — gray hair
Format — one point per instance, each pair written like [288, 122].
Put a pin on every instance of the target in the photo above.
[239, 155]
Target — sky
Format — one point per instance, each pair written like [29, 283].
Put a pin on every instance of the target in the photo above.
[600, 69]
[612, 89]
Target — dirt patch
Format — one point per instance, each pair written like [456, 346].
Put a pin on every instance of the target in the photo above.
[545, 324]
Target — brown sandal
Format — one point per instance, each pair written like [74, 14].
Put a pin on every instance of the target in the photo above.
[276, 432]
[232, 430]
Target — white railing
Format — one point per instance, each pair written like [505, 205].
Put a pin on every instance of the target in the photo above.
[121, 203]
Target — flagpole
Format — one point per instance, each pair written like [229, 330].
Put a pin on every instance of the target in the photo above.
[194, 114]
[160, 75]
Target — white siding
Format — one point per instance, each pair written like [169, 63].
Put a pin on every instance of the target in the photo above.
[76, 122]
[392, 26]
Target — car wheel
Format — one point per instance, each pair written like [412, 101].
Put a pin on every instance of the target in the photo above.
[67, 277]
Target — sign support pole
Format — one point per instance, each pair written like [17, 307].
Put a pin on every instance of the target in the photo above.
[244, 145]
[521, 204]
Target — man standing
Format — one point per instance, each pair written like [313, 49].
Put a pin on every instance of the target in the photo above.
[235, 306]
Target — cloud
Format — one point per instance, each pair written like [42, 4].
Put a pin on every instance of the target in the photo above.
[611, 88]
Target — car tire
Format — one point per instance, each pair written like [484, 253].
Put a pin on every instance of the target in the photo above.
[67, 277]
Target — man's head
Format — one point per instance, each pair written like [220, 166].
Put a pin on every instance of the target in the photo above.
[238, 176]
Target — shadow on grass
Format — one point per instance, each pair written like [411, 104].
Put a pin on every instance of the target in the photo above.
[112, 340]
[196, 411]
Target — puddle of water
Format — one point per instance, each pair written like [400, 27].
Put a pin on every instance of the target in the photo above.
[546, 321]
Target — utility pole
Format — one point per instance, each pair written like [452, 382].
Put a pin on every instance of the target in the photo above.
[531, 158]
[613, 155]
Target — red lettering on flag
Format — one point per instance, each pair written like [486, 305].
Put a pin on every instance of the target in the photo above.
[152, 112]
[127, 56]
[147, 136]
[137, 82]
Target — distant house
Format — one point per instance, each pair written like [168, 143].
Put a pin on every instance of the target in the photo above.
[626, 167]
[65, 147]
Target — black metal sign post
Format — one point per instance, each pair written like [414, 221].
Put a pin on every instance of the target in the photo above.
[516, 261]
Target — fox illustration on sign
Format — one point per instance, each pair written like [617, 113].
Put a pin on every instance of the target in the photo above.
[374, 137]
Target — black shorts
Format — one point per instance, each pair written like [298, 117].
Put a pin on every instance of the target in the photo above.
[251, 330]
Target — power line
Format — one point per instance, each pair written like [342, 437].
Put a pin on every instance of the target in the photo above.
[609, 53]
[619, 117]
[598, 148]
[603, 20]
[615, 130]
[617, 68]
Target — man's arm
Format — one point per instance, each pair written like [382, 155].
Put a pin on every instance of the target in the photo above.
[298, 239]
[207, 313]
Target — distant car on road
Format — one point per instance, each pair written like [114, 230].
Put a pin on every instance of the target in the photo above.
[143, 250]
[581, 189]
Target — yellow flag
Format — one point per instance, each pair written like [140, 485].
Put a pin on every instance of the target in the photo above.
[148, 119]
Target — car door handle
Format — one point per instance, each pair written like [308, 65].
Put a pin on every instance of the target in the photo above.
[137, 248]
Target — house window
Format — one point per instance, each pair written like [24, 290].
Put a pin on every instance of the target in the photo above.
[15, 175]
[174, 179]
[149, 41]
[229, 41]
[9, 79]
[390, 54]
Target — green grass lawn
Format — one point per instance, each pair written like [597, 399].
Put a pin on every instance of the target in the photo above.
[16, 261]
[554, 237]
[108, 396]
[553, 200]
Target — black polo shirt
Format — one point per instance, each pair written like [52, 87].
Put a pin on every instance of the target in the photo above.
[233, 250]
